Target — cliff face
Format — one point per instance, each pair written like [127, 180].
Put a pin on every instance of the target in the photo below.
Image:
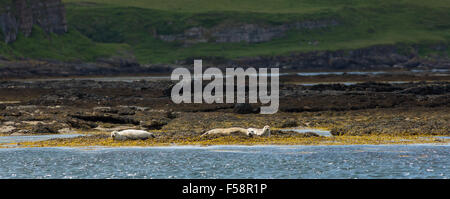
[9, 26]
[250, 33]
[50, 15]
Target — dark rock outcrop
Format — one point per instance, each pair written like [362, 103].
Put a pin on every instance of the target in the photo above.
[250, 33]
[154, 124]
[22, 15]
[107, 119]
[44, 129]
[51, 68]
[244, 108]
[81, 124]
[382, 56]
[428, 90]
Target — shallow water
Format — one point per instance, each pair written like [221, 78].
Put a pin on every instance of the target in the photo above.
[342, 73]
[439, 72]
[33, 138]
[102, 79]
[435, 70]
[316, 131]
[396, 161]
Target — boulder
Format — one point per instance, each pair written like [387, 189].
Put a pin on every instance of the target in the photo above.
[7, 129]
[244, 108]
[44, 129]
[153, 125]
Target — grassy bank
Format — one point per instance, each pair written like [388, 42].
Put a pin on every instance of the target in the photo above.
[118, 24]
[362, 24]
[72, 46]
[68, 47]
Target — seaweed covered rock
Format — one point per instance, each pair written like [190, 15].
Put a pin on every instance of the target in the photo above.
[289, 123]
[428, 90]
[80, 124]
[244, 108]
[44, 129]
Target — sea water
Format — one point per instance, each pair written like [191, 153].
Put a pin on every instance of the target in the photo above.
[298, 162]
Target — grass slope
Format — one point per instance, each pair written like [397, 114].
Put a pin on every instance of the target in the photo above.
[71, 46]
[4, 4]
[262, 6]
[114, 25]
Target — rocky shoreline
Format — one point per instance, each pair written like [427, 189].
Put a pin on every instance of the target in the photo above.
[369, 110]
[378, 57]
[397, 102]
[374, 58]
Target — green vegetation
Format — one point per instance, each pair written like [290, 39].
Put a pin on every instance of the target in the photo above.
[114, 25]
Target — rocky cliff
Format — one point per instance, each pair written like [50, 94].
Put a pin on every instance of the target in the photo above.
[22, 15]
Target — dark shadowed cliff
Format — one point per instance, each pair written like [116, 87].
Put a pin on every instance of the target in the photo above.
[20, 16]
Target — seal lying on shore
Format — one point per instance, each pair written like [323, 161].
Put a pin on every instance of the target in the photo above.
[131, 135]
[260, 132]
[229, 131]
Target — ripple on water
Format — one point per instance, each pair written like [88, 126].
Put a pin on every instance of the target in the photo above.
[307, 130]
[370, 161]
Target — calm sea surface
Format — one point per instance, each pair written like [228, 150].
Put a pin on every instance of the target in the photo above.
[391, 161]
[436, 72]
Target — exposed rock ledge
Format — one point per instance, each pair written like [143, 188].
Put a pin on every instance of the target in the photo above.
[384, 57]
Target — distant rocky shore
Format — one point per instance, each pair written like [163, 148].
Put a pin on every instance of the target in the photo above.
[19, 69]
[380, 57]
[368, 108]
[22, 15]
[374, 58]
